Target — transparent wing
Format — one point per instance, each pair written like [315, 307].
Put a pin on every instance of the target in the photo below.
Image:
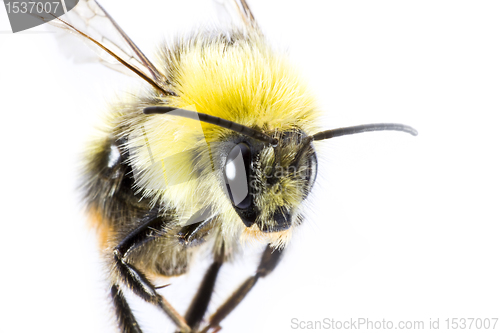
[236, 12]
[92, 23]
[92, 19]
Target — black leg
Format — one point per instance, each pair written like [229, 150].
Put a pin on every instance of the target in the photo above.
[269, 261]
[136, 281]
[199, 304]
[126, 319]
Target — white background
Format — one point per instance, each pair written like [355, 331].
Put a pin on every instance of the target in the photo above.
[402, 228]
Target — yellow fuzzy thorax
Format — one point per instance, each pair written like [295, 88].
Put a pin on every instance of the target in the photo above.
[247, 83]
[175, 159]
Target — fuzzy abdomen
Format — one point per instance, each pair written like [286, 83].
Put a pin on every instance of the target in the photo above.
[116, 210]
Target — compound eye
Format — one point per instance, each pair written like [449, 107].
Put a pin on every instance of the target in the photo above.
[236, 175]
[313, 169]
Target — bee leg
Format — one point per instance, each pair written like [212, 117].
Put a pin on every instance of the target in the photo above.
[269, 261]
[199, 304]
[140, 285]
[126, 319]
[136, 281]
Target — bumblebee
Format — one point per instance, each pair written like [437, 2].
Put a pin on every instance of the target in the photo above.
[218, 150]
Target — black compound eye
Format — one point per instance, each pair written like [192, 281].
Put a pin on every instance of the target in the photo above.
[313, 169]
[236, 175]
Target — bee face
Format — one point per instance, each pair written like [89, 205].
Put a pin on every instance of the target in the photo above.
[266, 184]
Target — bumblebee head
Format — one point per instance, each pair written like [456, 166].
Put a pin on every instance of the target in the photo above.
[267, 183]
[268, 176]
